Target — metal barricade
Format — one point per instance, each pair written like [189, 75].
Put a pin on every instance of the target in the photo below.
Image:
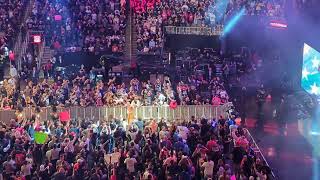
[104, 113]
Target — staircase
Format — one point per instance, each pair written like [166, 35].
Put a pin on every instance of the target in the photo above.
[47, 55]
[22, 40]
[131, 39]
[134, 46]
[28, 11]
[21, 43]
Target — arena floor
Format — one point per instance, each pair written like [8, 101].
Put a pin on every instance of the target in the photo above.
[293, 154]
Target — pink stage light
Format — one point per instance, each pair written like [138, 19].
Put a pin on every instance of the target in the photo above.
[278, 24]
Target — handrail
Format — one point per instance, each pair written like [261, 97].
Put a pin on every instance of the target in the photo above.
[16, 47]
[41, 52]
[37, 32]
[215, 31]
[28, 10]
[23, 48]
[19, 41]
[261, 154]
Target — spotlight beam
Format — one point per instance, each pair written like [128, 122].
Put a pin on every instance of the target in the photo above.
[233, 21]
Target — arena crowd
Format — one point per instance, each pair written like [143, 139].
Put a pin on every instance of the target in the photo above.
[118, 149]
[198, 149]
[151, 149]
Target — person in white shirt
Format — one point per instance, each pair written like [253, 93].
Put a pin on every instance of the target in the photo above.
[124, 124]
[48, 155]
[55, 154]
[133, 131]
[26, 170]
[208, 168]
[161, 98]
[13, 71]
[130, 162]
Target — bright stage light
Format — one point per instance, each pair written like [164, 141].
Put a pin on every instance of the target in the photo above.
[310, 79]
[314, 133]
[233, 21]
[278, 24]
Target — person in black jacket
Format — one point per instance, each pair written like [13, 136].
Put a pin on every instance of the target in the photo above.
[237, 156]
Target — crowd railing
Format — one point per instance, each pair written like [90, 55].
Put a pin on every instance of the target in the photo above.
[104, 113]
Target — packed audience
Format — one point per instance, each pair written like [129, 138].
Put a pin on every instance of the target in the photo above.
[207, 83]
[190, 93]
[11, 14]
[115, 149]
[151, 16]
[71, 26]
[86, 149]
[99, 26]
[218, 9]
[150, 20]
[89, 89]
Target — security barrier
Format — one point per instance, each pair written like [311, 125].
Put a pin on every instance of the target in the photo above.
[121, 112]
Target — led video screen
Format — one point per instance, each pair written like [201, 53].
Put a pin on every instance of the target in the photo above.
[310, 79]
